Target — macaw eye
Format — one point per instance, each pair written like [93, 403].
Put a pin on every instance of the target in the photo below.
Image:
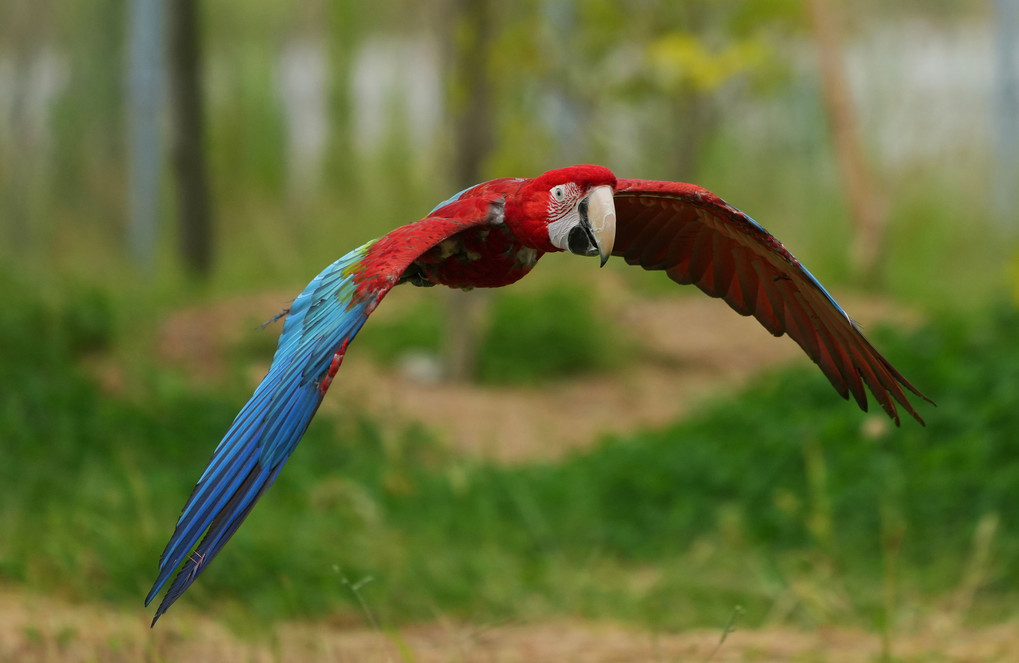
[559, 193]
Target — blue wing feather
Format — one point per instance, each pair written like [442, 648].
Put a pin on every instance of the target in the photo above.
[322, 318]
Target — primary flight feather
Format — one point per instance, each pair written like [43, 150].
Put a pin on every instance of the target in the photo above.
[489, 236]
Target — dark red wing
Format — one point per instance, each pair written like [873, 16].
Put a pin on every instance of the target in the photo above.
[697, 238]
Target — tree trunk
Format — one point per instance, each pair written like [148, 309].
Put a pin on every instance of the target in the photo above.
[1006, 107]
[466, 312]
[866, 206]
[145, 86]
[194, 218]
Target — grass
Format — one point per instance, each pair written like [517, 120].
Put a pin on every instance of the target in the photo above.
[782, 499]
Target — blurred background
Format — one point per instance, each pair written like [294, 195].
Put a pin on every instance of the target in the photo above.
[593, 453]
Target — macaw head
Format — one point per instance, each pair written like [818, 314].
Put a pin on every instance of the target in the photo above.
[567, 209]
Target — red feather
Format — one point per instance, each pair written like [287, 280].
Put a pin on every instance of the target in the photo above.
[699, 239]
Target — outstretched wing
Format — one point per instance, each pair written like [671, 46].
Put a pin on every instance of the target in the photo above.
[696, 237]
[320, 324]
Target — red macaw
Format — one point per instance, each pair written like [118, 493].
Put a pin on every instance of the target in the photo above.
[488, 236]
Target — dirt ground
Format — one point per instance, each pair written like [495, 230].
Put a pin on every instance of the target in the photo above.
[692, 348]
[35, 629]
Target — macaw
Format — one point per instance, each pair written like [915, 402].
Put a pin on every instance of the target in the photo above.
[489, 236]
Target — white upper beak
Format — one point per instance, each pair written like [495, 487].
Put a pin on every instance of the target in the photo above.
[601, 214]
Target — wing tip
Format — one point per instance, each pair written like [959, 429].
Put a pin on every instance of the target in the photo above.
[163, 607]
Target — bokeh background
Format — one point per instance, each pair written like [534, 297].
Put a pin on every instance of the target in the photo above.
[587, 465]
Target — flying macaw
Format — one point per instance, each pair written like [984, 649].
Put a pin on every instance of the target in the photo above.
[492, 235]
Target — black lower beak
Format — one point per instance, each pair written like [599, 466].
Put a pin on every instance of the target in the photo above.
[581, 241]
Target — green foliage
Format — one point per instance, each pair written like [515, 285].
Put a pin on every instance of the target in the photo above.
[415, 328]
[673, 81]
[782, 485]
[682, 62]
[31, 330]
[553, 333]
[785, 472]
[1013, 272]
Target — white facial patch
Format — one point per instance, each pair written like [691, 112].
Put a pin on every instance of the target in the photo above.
[562, 212]
[559, 230]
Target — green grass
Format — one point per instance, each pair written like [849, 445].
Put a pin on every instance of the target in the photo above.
[782, 499]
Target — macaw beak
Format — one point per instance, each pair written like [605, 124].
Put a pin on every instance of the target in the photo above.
[598, 212]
